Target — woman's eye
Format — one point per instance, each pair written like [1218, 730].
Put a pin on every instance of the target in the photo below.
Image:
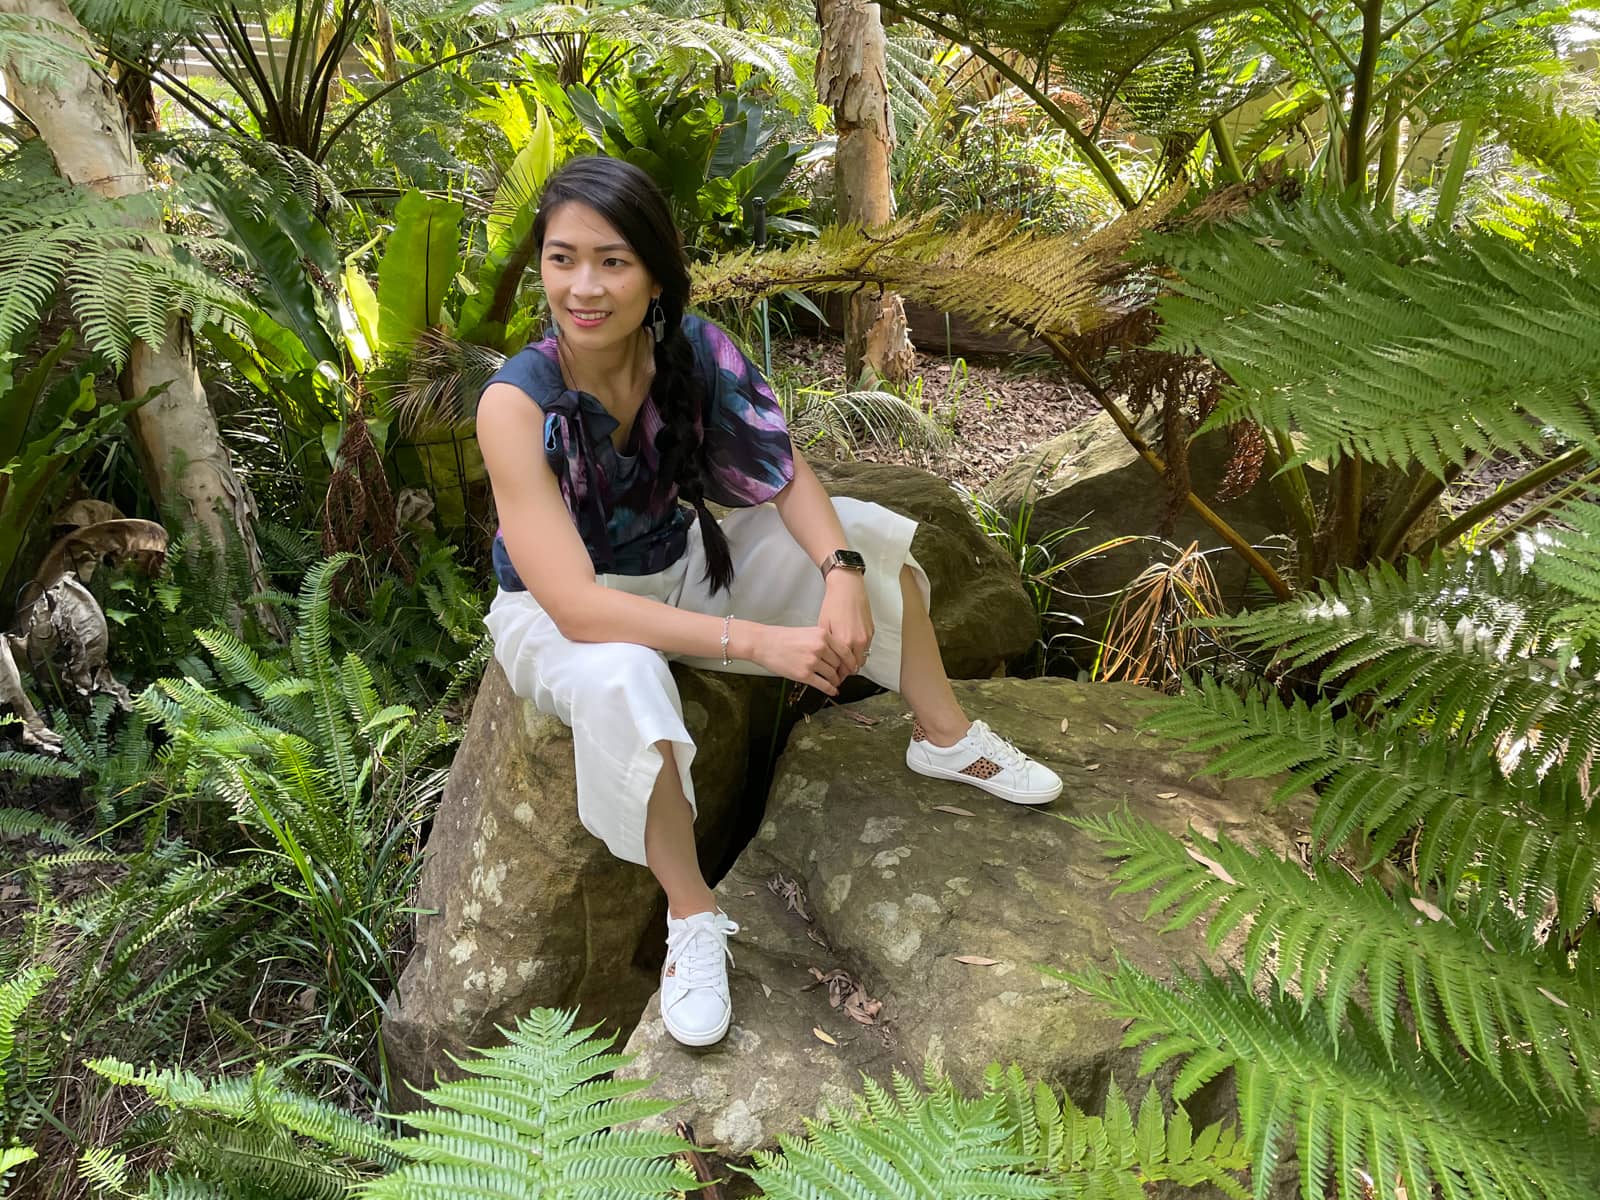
[555, 258]
[616, 262]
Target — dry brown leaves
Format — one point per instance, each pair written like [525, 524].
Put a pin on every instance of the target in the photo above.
[846, 992]
[792, 895]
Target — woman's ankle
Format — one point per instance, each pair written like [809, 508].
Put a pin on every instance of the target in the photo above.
[944, 732]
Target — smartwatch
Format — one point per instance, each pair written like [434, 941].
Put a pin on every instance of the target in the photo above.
[847, 560]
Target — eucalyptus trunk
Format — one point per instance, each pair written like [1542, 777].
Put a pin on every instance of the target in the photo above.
[852, 79]
[90, 136]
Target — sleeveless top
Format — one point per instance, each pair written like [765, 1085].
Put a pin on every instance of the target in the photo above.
[629, 523]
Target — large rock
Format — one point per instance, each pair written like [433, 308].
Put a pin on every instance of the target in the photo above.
[981, 612]
[898, 889]
[1091, 477]
[523, 907]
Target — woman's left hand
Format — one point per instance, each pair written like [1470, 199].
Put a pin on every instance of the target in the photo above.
[846, 617]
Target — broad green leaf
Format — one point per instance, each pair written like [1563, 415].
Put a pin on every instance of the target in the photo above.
[419, 261]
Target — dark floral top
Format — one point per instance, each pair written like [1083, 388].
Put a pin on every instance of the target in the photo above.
[629, 524]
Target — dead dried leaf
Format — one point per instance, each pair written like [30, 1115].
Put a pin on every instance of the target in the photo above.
[794, 896]
[1110, 728]
[1427, 908]
[1064, 724]
[1092, 767]
[811, 932]
[766, 991]
[861, 718]
[1554, 999]
[1166, 795]
[977, 960]
[952, 810]
[1211, 865]
[821, 1036]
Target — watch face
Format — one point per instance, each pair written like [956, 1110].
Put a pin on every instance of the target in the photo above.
[849, 560]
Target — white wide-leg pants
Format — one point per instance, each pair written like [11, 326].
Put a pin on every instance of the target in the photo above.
[620, 699]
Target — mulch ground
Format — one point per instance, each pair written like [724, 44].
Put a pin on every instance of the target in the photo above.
[999, 407]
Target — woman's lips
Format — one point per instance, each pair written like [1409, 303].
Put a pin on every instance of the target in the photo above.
[588, 321]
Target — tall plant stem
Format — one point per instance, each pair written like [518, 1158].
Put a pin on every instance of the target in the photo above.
[1221, 141]
[1492, 504]
[1355, 147]
[1294, 495]
[1086, 145]
[1236, 541]
[1389, 152]
[1349, 494]
[1456, 171]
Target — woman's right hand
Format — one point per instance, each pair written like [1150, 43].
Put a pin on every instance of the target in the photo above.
[801, 653]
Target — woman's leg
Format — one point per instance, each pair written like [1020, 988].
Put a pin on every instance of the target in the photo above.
[923, 682]
[669, 847]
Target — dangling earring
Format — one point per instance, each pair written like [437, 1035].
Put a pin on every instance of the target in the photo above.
[658, 320]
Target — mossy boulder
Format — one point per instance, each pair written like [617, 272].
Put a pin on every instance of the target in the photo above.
[899, 890]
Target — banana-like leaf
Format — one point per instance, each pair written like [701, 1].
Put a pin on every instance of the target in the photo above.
[419, 262]
[278, 247]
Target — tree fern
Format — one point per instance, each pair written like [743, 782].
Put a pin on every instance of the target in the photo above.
[1388, 342]
[1365, 1117]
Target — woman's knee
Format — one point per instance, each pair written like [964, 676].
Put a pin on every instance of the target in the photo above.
[618, 675]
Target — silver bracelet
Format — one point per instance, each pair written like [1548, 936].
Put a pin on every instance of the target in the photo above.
[726, 621]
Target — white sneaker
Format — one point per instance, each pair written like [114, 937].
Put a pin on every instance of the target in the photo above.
[694, 981]
[986, 760]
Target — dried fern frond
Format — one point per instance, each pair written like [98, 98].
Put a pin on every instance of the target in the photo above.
[986, 268]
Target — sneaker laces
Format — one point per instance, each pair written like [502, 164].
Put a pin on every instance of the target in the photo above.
[994, 747]
[696, 947]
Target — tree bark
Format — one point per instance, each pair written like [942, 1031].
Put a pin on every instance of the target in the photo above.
[184, 459]
[852, 79]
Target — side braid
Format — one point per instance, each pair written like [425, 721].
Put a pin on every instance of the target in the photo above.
[681, 399]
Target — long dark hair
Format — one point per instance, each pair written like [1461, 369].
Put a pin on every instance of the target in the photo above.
[632, 203]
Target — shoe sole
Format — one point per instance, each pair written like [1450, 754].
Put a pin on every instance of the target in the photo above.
[698, 1039]
[1024, 798]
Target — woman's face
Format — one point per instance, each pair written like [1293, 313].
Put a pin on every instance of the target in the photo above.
[597, 286]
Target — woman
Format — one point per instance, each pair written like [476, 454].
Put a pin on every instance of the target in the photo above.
[604, 442]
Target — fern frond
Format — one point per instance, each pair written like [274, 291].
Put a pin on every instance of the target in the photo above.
[532, 1120]
[1530, 841]
[1566, 555]
[1391, 343]
[17, 822]
[54, 234]
[41, 51]
[1328, 933]
[906, 1143]
[985, 268]
[1113, 1155]
[1364, 1117]
[1474, 643]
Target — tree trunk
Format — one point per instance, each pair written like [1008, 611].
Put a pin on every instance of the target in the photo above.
[89, 133]
[853, 81]
[383, 26]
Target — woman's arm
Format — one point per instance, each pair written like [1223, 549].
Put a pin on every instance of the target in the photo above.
[808, 514]
[554, 564]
